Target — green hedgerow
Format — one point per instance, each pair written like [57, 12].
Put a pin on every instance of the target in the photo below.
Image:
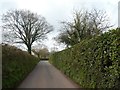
[93, 63]
[16, 64]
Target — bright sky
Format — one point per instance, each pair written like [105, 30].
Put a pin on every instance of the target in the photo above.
[59, 10]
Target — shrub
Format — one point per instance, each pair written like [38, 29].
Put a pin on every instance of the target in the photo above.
[16, 64]
[93, 63]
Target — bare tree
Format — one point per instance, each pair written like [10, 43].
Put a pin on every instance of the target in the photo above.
[41, 52]
[85, 24]
[36, 49]
[25, 27]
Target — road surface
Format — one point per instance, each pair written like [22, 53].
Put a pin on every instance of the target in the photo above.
[47, 76]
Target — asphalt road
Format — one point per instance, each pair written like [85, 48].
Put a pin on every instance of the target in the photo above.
[46, 75]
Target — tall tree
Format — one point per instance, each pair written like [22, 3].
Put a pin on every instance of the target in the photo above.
[25, 27]
[85, 24]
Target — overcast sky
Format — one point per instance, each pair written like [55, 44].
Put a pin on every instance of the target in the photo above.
[59, 10]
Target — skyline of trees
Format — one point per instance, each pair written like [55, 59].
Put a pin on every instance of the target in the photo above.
[85, 24]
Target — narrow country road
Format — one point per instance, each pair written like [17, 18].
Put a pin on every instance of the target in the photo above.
[47, 76]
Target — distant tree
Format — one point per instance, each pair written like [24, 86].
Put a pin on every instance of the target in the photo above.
[44, 53]
[85, 24]
[41, 51]
[23, 26]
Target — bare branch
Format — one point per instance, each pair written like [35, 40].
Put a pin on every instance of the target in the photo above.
[26, 26]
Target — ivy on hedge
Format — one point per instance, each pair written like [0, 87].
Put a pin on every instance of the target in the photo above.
[93, 63]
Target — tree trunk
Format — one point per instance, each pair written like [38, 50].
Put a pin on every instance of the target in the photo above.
[29, 49]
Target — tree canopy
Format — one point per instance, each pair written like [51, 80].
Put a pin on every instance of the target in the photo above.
[23, 26]
[85, 24]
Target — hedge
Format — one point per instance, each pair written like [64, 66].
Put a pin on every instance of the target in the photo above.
[16, 64]
[93, 63]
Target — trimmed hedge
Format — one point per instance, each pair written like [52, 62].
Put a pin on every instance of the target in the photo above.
[16, 64]
[93, 63]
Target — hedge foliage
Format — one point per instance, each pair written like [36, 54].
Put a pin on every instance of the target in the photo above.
[16, 64]
[93, 63]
